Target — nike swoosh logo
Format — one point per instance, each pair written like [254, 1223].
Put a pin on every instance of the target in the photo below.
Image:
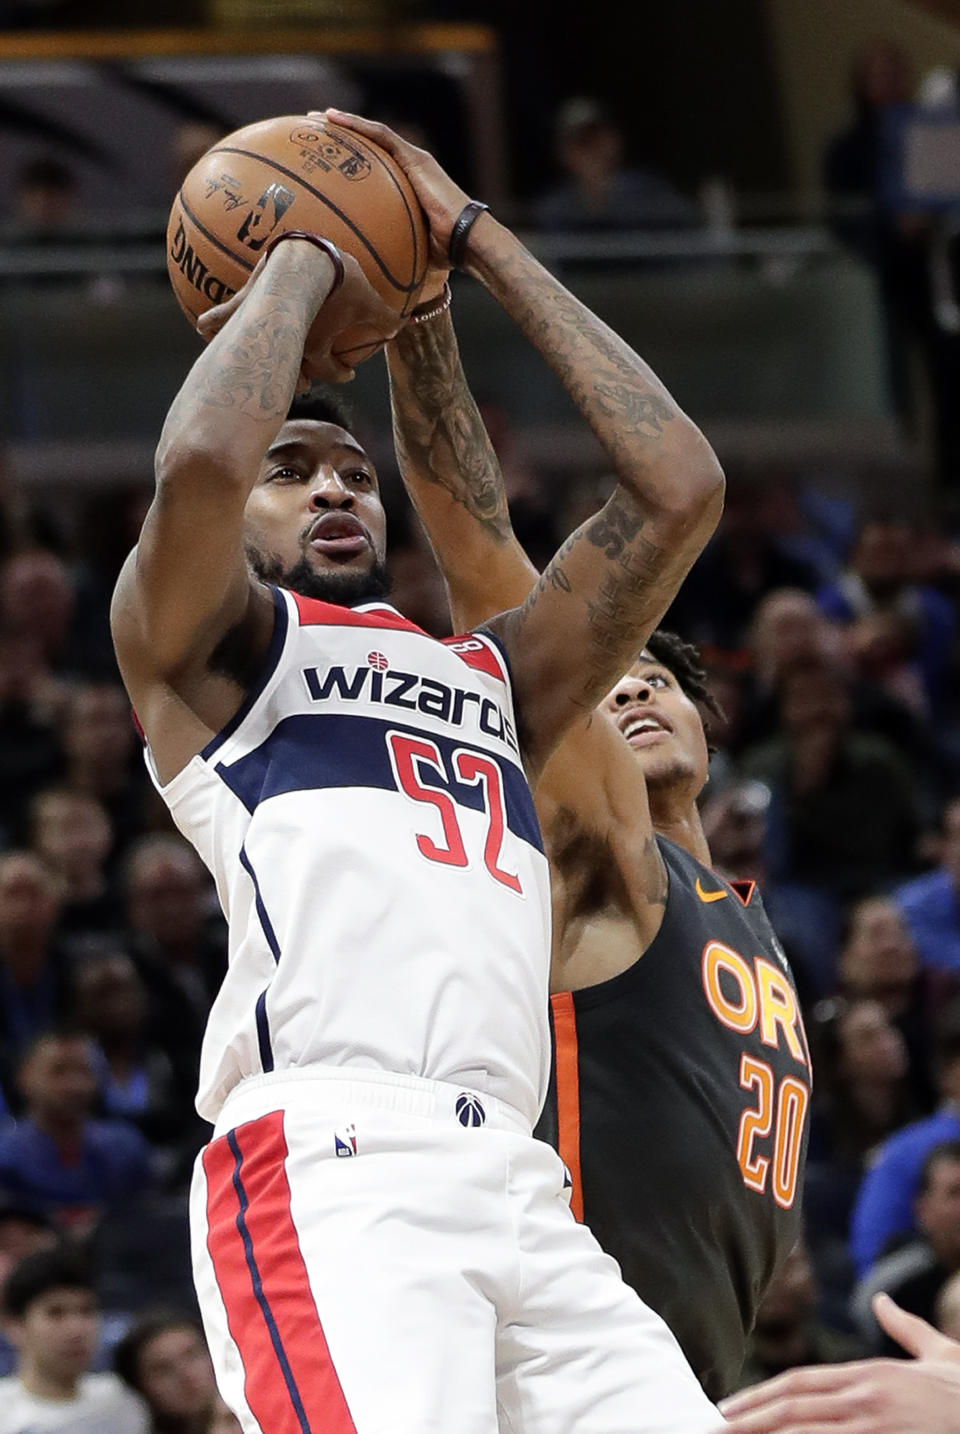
[709, 895]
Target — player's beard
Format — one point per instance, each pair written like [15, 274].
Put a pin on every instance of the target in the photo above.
[344, 587]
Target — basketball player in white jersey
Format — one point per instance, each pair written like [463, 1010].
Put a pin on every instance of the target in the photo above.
[379, 1243]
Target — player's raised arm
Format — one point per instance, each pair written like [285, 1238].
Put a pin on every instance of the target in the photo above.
[451, 473]
[187, 584]
[605, 590]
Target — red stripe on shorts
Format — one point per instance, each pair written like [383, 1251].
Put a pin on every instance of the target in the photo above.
[568, 1092]
[290, 1383]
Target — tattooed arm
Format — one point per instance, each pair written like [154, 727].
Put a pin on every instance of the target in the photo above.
[452, 475]
[186, 585]
[591, 796]
[605, 590]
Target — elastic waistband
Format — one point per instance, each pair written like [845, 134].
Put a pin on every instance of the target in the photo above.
[331, 1090]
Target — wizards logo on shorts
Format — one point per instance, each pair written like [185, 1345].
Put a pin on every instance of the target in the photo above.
[469, 1110]
[345, 1141]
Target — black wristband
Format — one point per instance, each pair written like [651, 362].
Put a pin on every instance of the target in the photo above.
[327, 245]
[459, 233]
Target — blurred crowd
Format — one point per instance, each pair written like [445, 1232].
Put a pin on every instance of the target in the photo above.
[830, 631]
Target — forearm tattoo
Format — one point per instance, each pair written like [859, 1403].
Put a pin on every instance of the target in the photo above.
[438, 431]
[258, 362]
[646, 551]
[253, 364]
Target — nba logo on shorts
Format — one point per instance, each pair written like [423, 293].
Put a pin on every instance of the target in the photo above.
[345, 1141]
[469, 1110]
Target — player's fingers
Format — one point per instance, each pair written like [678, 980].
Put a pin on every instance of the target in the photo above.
[211, 322]
[820, 1413]
[913, 1333]
[794, 1383]
[381, 134]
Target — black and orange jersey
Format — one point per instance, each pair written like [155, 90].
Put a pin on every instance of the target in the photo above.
[678, 1100]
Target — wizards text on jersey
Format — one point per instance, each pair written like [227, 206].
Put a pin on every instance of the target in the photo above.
[411, 692]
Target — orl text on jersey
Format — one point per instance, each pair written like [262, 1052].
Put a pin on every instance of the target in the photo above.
[413, 693]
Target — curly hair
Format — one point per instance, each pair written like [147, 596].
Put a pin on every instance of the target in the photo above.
[685, 662]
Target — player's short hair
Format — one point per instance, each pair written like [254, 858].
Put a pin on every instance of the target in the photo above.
[126, 1356]
[947, 1151]
[63, 1268]
[318, 405]
[684, 660]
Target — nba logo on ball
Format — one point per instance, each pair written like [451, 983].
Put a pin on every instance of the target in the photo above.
[469, 1110]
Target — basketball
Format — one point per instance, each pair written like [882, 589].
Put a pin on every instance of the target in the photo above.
[296, 173]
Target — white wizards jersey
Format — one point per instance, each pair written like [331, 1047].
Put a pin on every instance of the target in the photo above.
[377, 855]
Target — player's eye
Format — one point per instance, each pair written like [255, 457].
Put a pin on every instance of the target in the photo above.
[285, 474]
[657, 679]
[359, 475]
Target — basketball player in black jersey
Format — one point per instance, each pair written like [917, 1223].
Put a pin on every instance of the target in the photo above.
[681, 1076]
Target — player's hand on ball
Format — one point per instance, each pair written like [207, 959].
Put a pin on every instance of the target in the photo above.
[442, 200]
[354, 302]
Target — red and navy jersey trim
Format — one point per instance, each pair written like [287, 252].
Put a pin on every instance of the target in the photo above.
[312, 612]
[479, 651]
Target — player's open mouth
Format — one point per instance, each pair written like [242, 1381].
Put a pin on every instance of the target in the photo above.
[643, 730]
[339, 535]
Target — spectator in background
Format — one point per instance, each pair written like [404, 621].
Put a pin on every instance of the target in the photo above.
[46, 197]
[883, 1212]
[897, 241]
[100, 745]
[915, 1274]
[37, 598]
[735, 824]
[164, 1359]
[930, 904]
[23, 1231]
[71, 834]
[879, 78]
[788, 626]
[745, 560]
[137, 1081]
[29, 750]
[177, 935]
[599, 192]
[788, 1332]
[51, 1315]
[860, 1096]
[35, 990]
[900, 632]
[844, 806]
[57, 1157]
[877, 962]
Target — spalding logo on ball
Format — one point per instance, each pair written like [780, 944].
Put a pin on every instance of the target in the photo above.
[296, 173]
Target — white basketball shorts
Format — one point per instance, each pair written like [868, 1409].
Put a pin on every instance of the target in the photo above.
[382, 1254]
